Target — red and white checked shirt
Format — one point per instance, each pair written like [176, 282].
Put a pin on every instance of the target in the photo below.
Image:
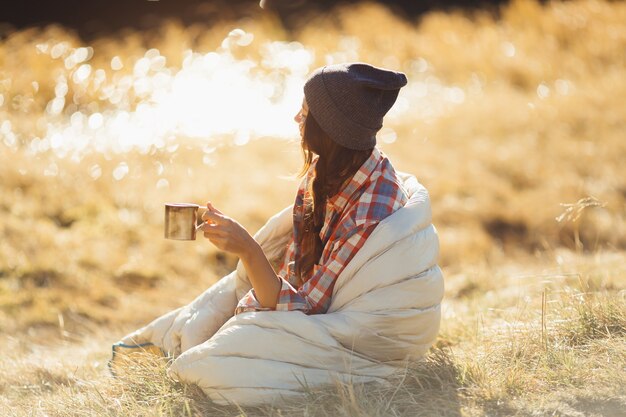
[373, 193]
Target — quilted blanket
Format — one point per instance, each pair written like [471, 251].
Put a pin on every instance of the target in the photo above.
[385, 311]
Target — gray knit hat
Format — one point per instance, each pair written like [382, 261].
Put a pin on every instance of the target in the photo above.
[349, 101]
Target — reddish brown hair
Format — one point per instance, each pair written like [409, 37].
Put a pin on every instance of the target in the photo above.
[336, 164]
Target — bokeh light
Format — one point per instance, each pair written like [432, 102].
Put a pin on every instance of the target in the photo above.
[217, 96]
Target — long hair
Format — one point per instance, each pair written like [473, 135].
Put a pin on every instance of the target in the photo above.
[336, 164]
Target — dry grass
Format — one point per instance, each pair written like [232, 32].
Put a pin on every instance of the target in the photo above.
[525, 173]
[516, 358]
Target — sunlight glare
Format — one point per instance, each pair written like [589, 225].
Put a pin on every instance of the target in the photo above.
[6, 132]
[543, 91]
[95, 121]
[52, 170]
[59, 49]
[95, 171]
[387, 135]
[213, 95]
[55, 107]
[563, 87]
[508, 49]
[159, 168]
[218, 96]
[162, 183]
[419, 65]
[116, 63]
[120, 171]
[81, 74]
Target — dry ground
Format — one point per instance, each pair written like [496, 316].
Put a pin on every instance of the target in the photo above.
[515, 124]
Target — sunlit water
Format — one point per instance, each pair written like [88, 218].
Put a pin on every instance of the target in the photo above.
[212, 97]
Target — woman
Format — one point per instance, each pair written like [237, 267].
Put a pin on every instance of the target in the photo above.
[349, 186]
[386, 287]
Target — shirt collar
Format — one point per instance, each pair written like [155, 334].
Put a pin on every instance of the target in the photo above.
[362, 176]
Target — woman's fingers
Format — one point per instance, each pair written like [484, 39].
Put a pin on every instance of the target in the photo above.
[216, 236]
[213, 229]
[213, 217]
[224, 232]
[219, 241]
[211, 207]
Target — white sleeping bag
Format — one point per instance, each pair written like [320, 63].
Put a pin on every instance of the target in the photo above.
[385, 310]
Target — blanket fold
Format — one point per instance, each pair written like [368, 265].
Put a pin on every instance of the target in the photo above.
[385, 311]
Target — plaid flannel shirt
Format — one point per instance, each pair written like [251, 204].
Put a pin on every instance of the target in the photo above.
[373, 193]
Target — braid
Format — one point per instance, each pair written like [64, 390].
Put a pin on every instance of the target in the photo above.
[335, 165]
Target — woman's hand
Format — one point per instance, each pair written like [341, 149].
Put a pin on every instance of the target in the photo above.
[226, 233]
[230, 236]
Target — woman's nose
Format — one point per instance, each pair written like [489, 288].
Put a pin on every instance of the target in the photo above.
[298, 117]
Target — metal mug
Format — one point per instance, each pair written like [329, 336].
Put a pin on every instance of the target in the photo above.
[181, 221]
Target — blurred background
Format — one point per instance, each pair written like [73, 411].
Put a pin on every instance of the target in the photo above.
[96, 18]
[513, 118]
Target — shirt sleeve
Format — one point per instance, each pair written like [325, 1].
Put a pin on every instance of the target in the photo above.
[314, 296]
[249, 302]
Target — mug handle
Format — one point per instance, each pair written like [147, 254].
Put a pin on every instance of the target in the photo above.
[199, 225]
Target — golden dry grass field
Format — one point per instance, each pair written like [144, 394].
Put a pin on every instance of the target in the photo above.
[516, 124]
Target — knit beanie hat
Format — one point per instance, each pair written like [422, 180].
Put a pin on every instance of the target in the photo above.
[349, 101]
